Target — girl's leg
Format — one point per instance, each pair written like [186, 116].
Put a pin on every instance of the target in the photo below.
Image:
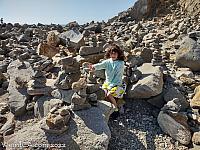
[111, 99]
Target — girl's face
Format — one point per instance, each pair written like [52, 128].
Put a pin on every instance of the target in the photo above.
[114, 55]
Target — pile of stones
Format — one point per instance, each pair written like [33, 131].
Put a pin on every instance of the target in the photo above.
[41, 66]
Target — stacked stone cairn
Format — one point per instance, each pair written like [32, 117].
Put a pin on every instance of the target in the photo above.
[93, 52]
[69, 73]
[79, 98]
[157, 58]
[57, 120]
[37, 85]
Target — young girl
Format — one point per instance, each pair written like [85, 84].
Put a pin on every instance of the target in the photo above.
[114, 69]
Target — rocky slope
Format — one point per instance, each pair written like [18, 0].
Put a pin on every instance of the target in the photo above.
[45, 81]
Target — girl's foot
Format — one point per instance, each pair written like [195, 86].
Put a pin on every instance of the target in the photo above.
[115, 114]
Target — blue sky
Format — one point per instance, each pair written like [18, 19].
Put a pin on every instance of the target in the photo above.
[61, 11]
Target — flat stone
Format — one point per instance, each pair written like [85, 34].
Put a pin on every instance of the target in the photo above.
[93, 58]
[88, 50]
[39, 91]
[66, 61]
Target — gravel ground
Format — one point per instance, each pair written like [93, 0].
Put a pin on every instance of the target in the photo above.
[137, 129]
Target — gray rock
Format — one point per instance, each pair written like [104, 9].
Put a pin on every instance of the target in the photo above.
[64, 95]
[135, 76]
[176, 128]
[39, 91]
[18, 95]
[173, 105]
[157, 101]
[44, 104]
[100, 74]
[175, 93]
[76, 38]
[91, 88]
[100, 94]
[173, 36]
[150, 84]
[194, 34]
[24, 38]
[188, 54]
[65, 80]
[88, 50]
[106, 108]
[87, 129]
[94, 27]
[3, 66]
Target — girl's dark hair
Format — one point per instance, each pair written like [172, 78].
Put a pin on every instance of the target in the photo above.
[116, 49]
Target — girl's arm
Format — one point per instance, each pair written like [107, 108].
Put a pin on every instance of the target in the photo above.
[98, 66]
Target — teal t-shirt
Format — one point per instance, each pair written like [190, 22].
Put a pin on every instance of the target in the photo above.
[113, 70]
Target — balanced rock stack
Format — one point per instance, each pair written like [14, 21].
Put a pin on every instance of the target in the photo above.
[92, 53]
[94, 80]
[157, 58]
[79, 98]
[57, 120]
[156, 36]
[37, 85]
[70, 72]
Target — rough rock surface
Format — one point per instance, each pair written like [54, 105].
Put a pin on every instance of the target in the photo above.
[81, 128]
[150, 84]
[176, 130]
[17, 86]
[188, 54]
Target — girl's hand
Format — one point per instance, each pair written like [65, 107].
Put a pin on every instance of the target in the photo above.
[91, 67]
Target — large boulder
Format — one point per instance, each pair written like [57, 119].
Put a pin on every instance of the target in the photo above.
[53, 39]
[20, 74]
[74, 37]
[175, 126]
[47, 50]
[150, 84]
[188, 54]
[88, 129]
